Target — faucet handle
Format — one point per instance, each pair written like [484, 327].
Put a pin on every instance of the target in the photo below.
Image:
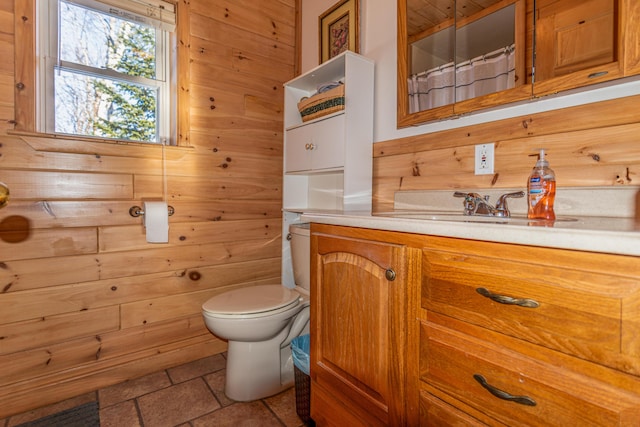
[502, 209]
[470, 202]
[470, 195]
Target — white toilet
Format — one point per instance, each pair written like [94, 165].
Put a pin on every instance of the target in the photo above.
[259, 323]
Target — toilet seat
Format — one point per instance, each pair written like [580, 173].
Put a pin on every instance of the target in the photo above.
[252, 301]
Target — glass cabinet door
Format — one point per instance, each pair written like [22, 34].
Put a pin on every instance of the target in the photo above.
[491, 65]
[457, 56]
[428, 41]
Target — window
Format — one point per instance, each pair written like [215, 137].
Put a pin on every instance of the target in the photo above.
[104, 69]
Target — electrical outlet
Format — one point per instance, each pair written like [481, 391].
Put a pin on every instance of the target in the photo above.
[484, 158]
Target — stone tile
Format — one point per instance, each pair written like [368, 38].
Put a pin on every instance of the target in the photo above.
[177, 404]
[190, 402]
[240, 414]
[216, 383]
[133, 388]
[284, 406]
[197, 368]
[51, 409]
[122, 414]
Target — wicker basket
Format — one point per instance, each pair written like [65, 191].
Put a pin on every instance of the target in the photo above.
[322, 104]
[303, 396]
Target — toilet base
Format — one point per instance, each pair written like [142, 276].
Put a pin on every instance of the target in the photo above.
[256, 370]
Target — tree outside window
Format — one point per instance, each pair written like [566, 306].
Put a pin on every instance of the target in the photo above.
[109, 75]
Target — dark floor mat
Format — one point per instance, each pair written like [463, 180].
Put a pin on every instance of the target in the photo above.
[86, 415]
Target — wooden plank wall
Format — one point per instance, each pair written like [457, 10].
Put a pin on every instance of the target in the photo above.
[593, 145]
[84, 301]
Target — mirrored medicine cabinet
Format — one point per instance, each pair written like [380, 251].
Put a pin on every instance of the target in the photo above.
[459, 56]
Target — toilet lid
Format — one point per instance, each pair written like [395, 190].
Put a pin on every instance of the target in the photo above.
[252, 299]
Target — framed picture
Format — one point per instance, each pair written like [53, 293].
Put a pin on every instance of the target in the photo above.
[339, 28]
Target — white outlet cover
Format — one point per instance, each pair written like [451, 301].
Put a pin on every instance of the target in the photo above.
[484, 159]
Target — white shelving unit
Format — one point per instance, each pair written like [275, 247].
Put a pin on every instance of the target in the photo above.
[335, 175]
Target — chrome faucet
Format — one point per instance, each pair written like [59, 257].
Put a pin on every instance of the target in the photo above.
[475, 204]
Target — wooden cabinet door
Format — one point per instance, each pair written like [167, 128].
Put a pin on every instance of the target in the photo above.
[631, 40]
[577, 44]
[358, 323]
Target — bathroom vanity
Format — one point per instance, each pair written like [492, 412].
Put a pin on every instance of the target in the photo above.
[443, 322]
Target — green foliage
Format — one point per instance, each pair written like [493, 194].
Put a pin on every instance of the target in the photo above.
[131, 112]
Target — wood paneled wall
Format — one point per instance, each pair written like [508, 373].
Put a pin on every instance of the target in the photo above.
[592, 145]
[85, 301]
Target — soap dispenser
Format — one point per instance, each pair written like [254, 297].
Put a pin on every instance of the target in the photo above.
[541, 190]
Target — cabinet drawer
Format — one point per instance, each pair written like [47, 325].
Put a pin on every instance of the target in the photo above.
[435, 412]
[316, 146]
[517, 390]
[581, 313]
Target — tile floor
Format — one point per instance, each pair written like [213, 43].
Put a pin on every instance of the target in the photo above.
[190, 395]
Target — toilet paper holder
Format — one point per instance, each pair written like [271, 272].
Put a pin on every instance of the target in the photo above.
[136, 211]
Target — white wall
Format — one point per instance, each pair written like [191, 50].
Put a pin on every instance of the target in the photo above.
[378, 41]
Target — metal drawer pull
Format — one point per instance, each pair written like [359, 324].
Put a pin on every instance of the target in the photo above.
[503, 299]
[523, 400]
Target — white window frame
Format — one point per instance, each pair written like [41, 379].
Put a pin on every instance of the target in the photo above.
[48, 62]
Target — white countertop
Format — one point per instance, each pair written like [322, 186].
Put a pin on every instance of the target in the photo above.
[588, 233]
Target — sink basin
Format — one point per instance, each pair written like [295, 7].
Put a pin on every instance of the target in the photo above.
[459, 217]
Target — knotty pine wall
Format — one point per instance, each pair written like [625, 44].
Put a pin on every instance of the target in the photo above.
[592, 145]
[84, 301]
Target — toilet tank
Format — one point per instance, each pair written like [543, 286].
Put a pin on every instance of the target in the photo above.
[300, 254]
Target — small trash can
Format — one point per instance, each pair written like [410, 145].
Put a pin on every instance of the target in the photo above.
[300, 351]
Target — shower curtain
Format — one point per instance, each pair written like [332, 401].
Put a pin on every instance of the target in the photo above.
[488, 73]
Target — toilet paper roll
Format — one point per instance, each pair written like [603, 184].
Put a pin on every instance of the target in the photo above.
[156, 222]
